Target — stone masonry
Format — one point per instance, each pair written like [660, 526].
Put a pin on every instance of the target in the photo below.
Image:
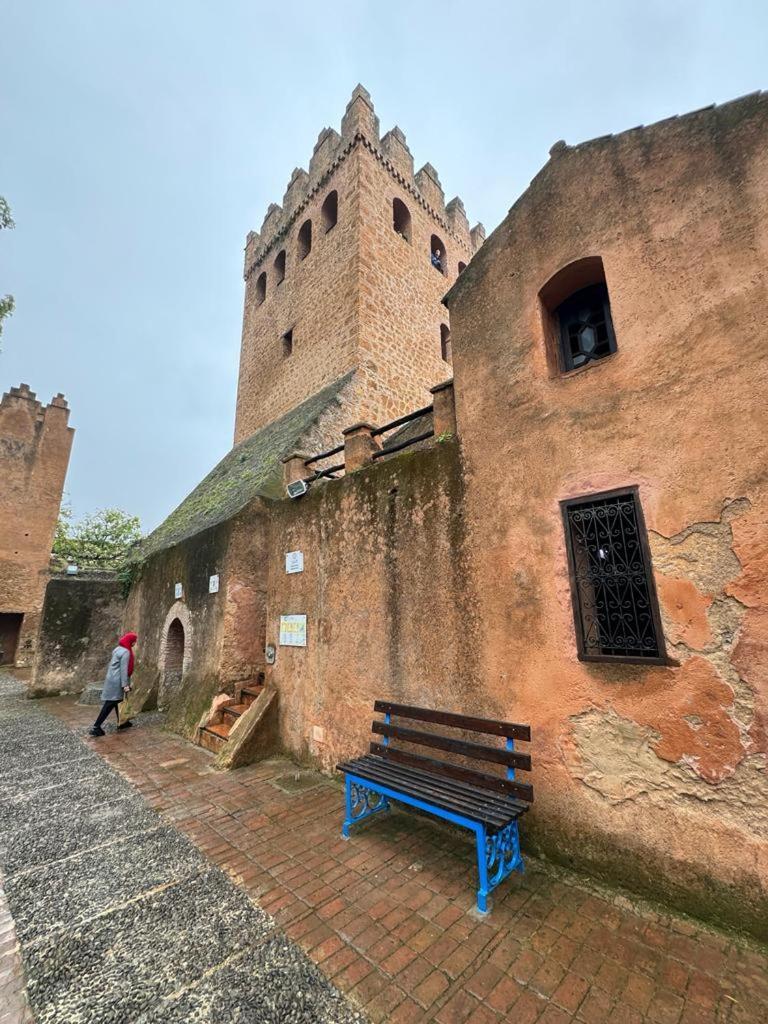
[366, 297]
[35, 442]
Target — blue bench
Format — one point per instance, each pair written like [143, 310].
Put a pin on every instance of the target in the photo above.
[487, 804]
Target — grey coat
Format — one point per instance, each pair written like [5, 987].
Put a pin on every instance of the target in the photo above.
[117, 675]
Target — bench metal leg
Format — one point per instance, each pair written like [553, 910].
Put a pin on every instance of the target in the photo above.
[360, 803]
[497, 857]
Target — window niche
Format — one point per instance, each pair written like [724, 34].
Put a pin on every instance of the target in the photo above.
[305, 239]
[445, 343]
[286, 343]
[576, 316]
[401, 219]
[329, 211]
[261, 288]
[615, 609]
[462, 267]
[280, 267]
[437, 255]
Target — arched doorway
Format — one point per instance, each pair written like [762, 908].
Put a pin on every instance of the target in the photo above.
[174, 654]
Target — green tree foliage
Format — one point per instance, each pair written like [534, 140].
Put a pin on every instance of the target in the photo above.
[101, 540]
[7, 304]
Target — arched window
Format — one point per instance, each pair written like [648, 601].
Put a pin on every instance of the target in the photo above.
[305, 239]
[261, 288]
[287, 343]
[329, 211]
[577, 314]
[437, 255]
[401, 219]
[280, 267]
[462, 267]
[445, 342]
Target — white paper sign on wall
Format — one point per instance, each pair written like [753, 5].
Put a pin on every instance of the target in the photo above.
[294, 561]
[213, 584]
[293, 630]
[178, 591]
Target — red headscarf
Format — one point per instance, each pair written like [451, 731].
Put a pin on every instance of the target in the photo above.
[128, 641]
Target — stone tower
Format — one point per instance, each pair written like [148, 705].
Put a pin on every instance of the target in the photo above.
[35, 442]
[345, 278]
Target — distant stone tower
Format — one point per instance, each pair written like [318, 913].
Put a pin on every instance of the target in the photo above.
[35, 442]
[347, 277]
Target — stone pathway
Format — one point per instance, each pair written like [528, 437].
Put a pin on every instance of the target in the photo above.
[388, 916]
[119, 917]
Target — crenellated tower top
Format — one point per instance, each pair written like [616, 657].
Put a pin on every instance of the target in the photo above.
[360, 127]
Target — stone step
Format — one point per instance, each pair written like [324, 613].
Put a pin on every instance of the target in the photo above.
[235, 710]
[221, 730]
[248, 694]
[208, 739]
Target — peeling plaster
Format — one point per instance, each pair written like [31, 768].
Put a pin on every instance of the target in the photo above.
[614, 758]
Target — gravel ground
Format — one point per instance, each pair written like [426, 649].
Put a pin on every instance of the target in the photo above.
[120, 918]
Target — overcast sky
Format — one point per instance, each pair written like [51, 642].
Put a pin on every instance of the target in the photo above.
[140, 141]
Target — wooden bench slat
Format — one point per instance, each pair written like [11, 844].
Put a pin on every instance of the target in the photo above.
[367, 768]
[522, 790]
[478, 751]
[417, 788]
[486, 725]
[484, 798]
[488, 797]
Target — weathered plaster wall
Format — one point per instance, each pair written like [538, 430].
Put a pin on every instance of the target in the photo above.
[79, 628]
[653, 774]
[385, 591]
[223, 632]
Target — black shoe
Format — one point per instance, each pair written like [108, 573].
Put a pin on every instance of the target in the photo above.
[126, 725]
[96, 731]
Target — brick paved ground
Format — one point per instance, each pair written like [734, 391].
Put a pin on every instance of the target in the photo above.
[388, 916]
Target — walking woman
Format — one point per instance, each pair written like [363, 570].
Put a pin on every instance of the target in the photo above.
[117, 683]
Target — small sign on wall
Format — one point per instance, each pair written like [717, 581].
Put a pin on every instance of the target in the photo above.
[178, 591]
[213, 584]
[294, 561]
[293, 630]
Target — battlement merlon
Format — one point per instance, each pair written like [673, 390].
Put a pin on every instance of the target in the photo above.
[359, 124]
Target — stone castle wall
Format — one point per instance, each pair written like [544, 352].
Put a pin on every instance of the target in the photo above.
[35, 442]
[364, 298]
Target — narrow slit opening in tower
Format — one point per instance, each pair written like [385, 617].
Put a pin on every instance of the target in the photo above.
[305, 239]
[329, 212]
[437, 255]
[401, 219]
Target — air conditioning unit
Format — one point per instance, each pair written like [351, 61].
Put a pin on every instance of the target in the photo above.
[297, 488]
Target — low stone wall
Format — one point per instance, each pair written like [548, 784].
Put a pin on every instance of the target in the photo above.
[80, 625]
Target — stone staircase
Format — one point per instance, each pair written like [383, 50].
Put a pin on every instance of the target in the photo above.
[214, 734]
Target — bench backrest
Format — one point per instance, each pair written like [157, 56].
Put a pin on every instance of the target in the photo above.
[506, 756]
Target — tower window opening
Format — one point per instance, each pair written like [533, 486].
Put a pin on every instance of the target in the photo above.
[329, 211]
[462, 267]
[445, 342]
[305, 239]
[401, 219]
[261, 288]
[280, 267]
[287, 343]
[437, 255]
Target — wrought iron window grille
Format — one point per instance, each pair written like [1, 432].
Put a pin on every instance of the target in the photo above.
[616, 612]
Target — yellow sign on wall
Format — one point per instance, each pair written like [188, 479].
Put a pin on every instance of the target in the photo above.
[293, 630]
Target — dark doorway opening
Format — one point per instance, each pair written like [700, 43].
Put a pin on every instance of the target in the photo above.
[10, 627]
[174, 652]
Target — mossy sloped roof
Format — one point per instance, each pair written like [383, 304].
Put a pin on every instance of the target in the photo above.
[252, 468]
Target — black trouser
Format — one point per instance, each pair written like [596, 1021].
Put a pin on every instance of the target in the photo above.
[106, 710]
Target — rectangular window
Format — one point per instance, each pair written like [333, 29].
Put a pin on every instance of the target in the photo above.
[614, 598]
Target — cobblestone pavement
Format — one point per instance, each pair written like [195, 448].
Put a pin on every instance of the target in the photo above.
[388, 915]
[119, 917]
